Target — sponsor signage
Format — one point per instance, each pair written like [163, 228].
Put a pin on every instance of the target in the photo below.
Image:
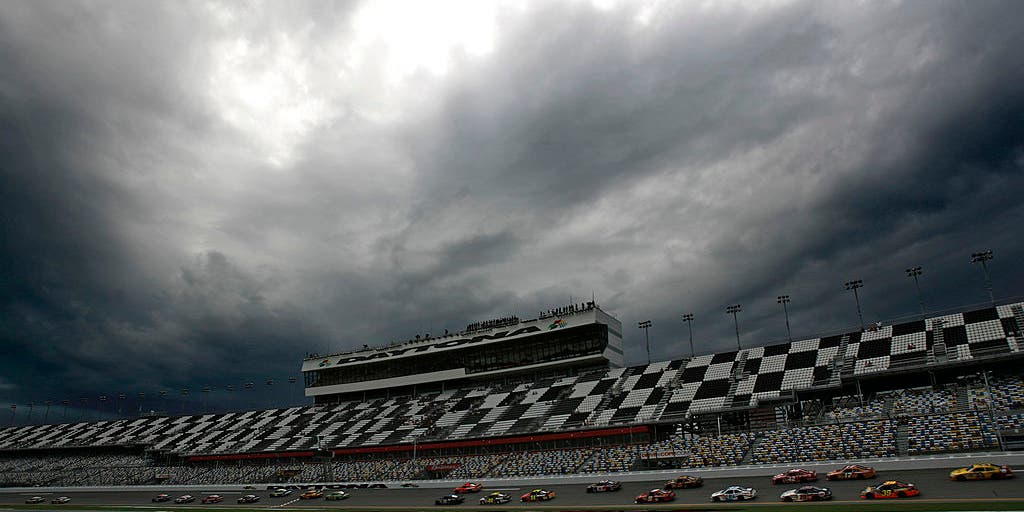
[664, 454]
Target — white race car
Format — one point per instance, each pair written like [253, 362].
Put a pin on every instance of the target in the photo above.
[734, 493]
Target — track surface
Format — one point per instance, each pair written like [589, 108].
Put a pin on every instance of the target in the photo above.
[934, 484]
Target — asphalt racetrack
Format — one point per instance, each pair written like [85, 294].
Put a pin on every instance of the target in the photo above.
[933, 483]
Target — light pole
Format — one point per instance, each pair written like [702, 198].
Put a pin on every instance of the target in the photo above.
[14, 408]
[784, 299]
[914, 272]
[415, 439]
[991, 410]
[735, 308]
[65, 402]
[645, 325]
[206, 399]
[250, 386]
[688, 318]
[982, 257]
[46, 414]
[854, 285]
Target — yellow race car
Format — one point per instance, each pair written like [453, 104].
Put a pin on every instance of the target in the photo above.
[981, 471]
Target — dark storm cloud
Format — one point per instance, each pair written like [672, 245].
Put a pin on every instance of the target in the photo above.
[88, 305]
[878, 135]
[564, 115]
[198, 194]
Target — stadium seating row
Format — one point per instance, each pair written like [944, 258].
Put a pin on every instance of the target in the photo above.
[843, 441]
[950, 433]
[836, 441]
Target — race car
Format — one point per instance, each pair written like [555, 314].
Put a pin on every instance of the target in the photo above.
[213, 498]
[795, 476]
[337, 496]
[312, 494]
[280, 492]
[248, 498]
[734, 493]
[495, 498]
[160, 498]
[981, 471]
[807, 493]
[890, 489]
[851, 472]
[684, 482]
[185, 498]
[60, 500]
[604, 486]
[469, 487]
[35, 499]
[538, 495]
[450, 499]
[656, 496]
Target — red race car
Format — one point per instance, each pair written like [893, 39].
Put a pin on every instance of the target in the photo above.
[469, 487]
[656, 496]
[795, 476]
[213, 498]
[852, 472]
[890, 489]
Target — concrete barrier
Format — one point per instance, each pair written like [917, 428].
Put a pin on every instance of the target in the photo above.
[920, 462]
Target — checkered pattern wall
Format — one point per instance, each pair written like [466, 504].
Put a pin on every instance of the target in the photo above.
[661, 390]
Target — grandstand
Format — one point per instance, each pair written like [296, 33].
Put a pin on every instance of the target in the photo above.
[571, 339]
[940, 384]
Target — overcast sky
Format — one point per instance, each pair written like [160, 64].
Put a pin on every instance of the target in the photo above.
[199, 193]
